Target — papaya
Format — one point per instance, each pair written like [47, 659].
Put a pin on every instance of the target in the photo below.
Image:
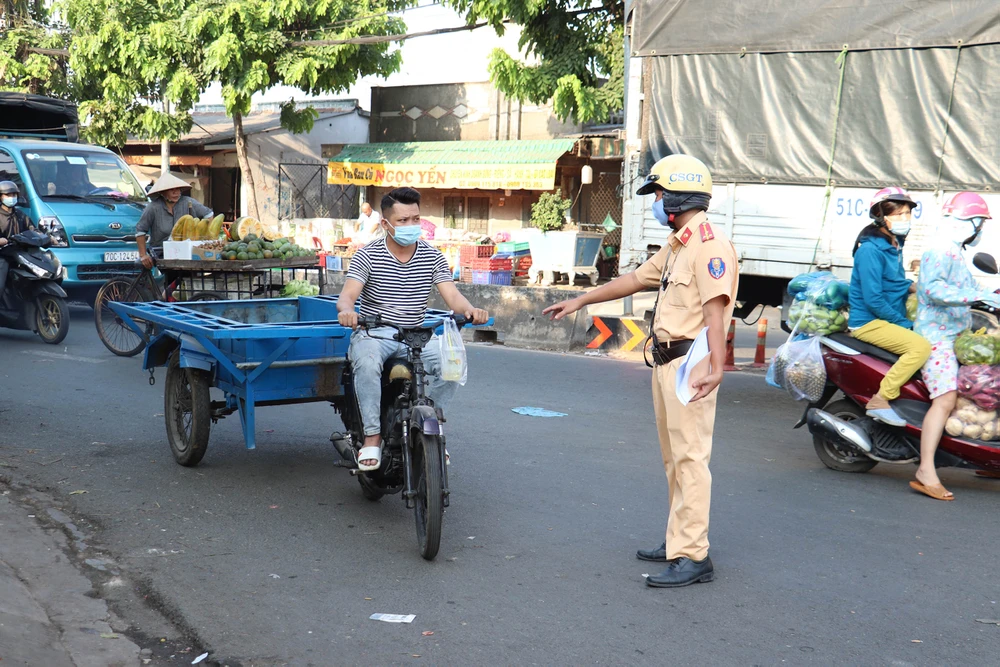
[177, 234]
[245, 226]
[201, 230]
[190, 227]
[215, 227]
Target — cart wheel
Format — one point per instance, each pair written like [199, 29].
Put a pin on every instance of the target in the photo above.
[429, 500]
[111, 329]
[207, 296]
[187, 411]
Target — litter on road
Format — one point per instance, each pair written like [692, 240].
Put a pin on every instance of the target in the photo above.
[199, 658]
[538, 412]
[393, 618]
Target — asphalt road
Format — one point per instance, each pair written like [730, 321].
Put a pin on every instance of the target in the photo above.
[273, 556]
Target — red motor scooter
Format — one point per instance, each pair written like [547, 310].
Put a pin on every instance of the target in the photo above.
[846, 439]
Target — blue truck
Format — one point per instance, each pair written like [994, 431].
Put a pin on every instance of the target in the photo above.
[85, 197]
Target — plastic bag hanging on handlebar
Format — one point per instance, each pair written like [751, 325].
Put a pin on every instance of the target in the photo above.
[454, 361]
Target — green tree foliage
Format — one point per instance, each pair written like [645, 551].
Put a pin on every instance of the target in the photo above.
[252, 45]
[578, 45]
[30, 50]
[136, 72]
[549, 212]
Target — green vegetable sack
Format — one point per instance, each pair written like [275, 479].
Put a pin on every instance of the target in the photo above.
[974, 348]
[299, 288]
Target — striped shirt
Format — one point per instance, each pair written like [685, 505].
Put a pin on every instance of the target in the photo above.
[396, 291]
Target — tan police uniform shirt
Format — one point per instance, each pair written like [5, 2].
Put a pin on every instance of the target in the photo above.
[702, 266]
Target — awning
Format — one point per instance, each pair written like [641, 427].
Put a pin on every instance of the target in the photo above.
[482, 165]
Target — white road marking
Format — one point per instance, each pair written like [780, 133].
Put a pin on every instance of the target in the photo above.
[67, 357]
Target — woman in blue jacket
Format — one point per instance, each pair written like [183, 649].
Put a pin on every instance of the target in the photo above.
[879, 290]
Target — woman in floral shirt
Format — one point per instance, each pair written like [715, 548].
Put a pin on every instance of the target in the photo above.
[944, 292]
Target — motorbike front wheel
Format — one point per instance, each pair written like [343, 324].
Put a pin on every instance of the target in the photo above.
[836, 456]
[51, 318]
[429, 501]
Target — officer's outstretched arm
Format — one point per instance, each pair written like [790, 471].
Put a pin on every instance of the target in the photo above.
[619, 288]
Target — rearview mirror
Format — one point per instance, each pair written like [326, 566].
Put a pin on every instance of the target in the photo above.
[985, 263]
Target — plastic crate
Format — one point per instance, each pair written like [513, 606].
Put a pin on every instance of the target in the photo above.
[471, 252]
[512, 246]
[466, 275]
[491, 264]
[492, 278]
[521, 265]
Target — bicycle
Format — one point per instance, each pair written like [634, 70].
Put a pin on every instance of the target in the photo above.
[117, 336]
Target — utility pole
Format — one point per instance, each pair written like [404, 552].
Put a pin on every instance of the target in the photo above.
[165, 146]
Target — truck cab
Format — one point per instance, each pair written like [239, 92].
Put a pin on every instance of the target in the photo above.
[86, 198]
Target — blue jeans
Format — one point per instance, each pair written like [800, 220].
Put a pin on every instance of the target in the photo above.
[368, 356]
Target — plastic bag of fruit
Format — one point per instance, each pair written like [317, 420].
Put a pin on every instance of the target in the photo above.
[798, 368]
[981, 385]
[974, 348]
[816, 320]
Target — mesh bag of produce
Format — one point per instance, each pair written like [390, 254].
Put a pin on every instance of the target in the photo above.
[970, 421]
[816, 320]
[981, 385]
[974, 348]
[798, 368]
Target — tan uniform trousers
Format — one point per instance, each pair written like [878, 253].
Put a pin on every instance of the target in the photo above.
[685, 433]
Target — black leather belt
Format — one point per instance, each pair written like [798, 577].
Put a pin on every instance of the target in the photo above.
[664, 353]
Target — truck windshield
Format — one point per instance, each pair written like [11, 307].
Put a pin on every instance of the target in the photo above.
[72, 174]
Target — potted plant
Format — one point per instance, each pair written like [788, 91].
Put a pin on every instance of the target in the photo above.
[555, 249]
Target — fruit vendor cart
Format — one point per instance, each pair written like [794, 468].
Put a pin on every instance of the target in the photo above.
[258, 352]
[224, 280]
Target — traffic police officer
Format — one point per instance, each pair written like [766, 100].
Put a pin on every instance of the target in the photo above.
[697, 276]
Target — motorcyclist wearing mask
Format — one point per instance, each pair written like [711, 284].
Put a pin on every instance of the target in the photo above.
[944, 291]
[12, 221]
[879, 289]
[393, 276]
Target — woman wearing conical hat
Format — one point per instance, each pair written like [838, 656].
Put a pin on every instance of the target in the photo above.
[168, 204]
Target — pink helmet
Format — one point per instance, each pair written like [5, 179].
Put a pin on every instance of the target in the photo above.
[889, 194]
[966, 206]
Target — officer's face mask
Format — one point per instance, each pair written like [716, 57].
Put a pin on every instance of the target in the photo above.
[10, 201]
[671, 203]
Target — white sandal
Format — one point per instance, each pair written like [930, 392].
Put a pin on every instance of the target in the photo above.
[366, 453]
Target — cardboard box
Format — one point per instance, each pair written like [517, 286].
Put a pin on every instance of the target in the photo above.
[202, 254]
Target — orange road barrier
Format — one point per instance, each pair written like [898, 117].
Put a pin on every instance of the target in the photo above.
[731, 347]
[758, 357]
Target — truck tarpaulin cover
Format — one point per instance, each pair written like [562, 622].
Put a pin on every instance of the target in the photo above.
[771, 116]
[687, 27]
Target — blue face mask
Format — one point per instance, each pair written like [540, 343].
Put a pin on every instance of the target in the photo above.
[10, 202]
[405, 235]
[660, 213]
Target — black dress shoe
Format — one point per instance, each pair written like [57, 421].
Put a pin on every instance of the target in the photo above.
[657, 555]
[683, 572]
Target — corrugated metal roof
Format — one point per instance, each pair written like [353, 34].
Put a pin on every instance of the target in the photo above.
[457, 152]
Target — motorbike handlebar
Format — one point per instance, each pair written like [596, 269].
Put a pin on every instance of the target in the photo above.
[372, 322]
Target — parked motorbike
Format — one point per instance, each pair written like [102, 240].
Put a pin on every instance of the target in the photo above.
[846, 439]
[413, 453]
[34, 299]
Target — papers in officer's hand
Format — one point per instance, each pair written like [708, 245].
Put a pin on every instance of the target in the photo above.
[695, 366]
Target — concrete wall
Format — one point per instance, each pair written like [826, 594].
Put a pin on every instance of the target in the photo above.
[266, 150]
[518, 314]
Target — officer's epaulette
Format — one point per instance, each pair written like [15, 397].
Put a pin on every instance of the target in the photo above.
[686, 236]
[706, 232]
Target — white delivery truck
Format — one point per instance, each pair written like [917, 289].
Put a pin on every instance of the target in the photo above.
[803, 111]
